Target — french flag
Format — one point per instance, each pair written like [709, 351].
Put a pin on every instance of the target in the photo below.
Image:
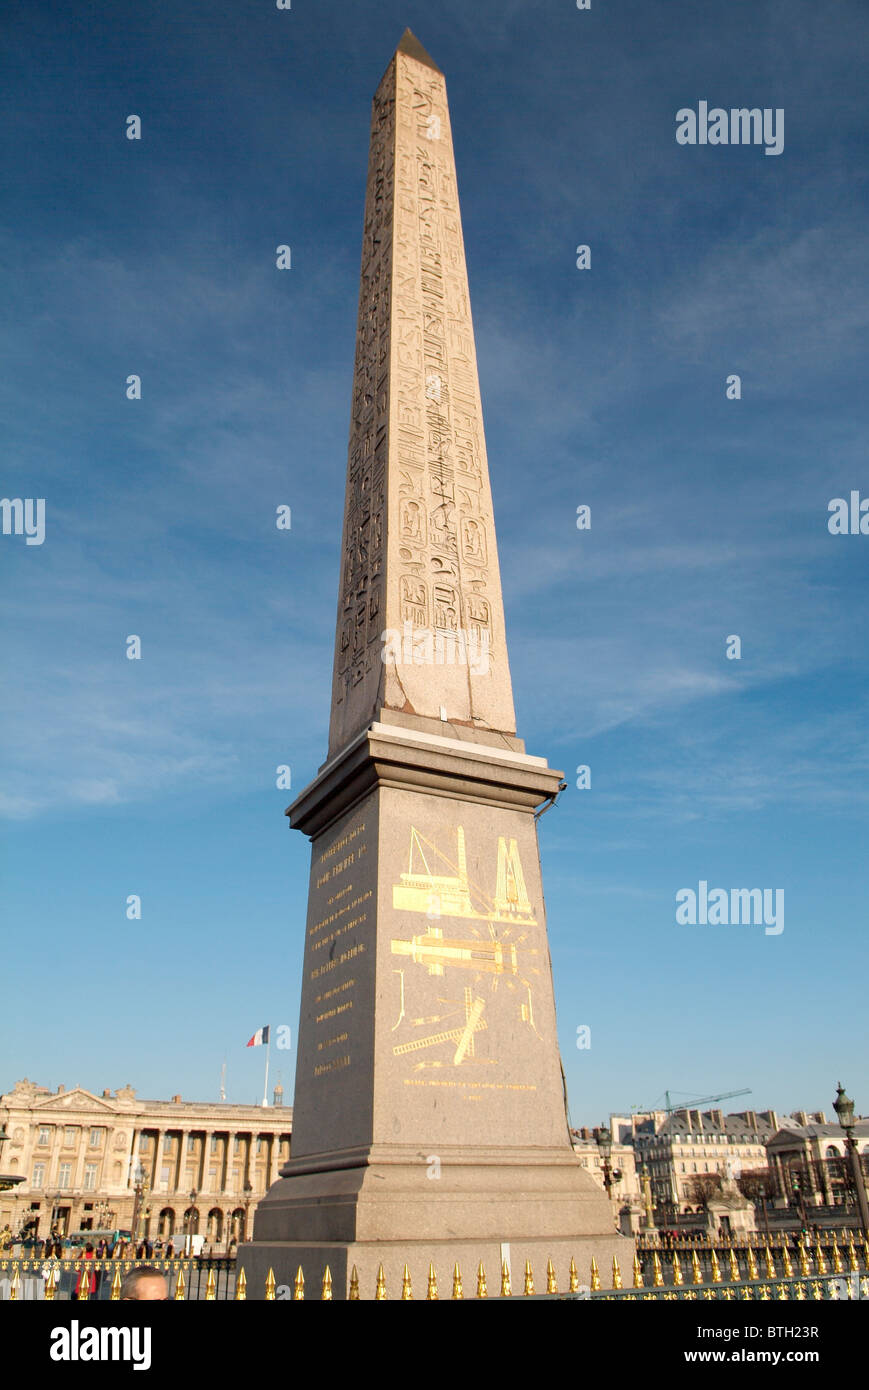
[260, 1037]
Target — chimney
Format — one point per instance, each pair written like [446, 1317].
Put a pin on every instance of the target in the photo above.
[176, 1100]
[107, 1095]
[60, 1090]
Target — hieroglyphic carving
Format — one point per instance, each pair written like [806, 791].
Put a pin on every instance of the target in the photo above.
[416, 430]
[360, 602]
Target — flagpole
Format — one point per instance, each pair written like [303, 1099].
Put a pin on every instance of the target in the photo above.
[266, 1082]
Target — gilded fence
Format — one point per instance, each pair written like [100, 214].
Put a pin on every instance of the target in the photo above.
[724, 1272]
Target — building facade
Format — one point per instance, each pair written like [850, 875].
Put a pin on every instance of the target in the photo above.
[624, 1184]
[809, 1162]
[675, 1148]
[113, 1161]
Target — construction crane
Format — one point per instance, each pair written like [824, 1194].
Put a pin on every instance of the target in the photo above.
[669, 1108]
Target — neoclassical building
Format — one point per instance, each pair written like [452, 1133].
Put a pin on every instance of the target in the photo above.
[99, 1161]
[674, 1147]
[809, 1162]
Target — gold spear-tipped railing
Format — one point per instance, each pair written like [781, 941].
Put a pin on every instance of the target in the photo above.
[833, 1267]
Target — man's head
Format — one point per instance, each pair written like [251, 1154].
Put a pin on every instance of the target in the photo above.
[145, 1283]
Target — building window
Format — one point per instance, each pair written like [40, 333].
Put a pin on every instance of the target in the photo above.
[69, 1137]
[90, 1176]
[214, 1143]
[144, 1143]
[96, 1138]
[212, 1175]
[259, 1146]
[38, 1174]
[64, 1175]
[44, 1135]
[236, 1148]
[164, 1176]
[235, 1179]
[191, 1144]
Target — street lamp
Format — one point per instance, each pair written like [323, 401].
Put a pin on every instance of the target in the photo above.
[50, 1199]
[248, 1194]
[138, 1192]
[795, 1168]
[844, 1108]
[604, 1140]
[188, 1224]
[649, 1218]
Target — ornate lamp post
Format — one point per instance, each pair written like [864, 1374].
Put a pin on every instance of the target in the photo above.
[844, 1108]
[649, 1217]
[188, 1223]
[248, 1195]
[604, 1140]
[138, 1189]
[796, 1177]
[50, 1199]
[104, 1214]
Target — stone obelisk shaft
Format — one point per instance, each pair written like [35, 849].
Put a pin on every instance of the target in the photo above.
[419, 558]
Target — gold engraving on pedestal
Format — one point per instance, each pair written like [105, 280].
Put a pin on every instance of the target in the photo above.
[463, 1036]
[456, 893]
[401, 1011]
[337, 989]
[496, 954]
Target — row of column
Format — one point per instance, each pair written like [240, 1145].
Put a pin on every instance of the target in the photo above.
[52, 1157]
[155, 1159]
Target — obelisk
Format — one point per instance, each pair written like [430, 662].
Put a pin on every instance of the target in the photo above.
[429, 1118]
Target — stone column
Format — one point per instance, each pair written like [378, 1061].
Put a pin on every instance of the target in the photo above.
[224, 1164]
[179, 1160]
[204, 1158]
[79, 1161]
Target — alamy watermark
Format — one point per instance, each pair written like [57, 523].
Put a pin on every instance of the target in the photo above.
[720, 907]
[24, 517]
[740, 125]
[847, 517]
[420, 646]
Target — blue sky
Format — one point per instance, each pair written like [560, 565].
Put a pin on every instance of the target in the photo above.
[604, 387]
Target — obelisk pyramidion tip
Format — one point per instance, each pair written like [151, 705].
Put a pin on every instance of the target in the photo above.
[411, 45]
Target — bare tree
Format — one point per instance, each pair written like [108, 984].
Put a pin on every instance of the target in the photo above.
[701, 1187]
[757, 1184]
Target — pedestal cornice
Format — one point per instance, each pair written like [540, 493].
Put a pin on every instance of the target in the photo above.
[380, 756]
